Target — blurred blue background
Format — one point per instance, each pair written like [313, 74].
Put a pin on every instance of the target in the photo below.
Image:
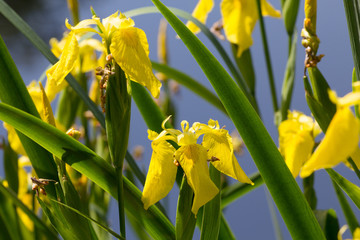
[249, 217]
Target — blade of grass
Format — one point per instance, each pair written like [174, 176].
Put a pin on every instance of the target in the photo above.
[91, 165]
[287, 195]
[190, 83]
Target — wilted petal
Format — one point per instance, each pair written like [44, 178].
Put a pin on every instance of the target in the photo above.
[127, 48]
[218, 142]
[161, 175]
[48, 115]
[193, 160]
[340, 141]
[201, 11]
[57, 73]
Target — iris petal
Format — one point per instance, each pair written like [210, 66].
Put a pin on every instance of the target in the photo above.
[161, 175]
[193, 160]
[340, 141]
[201, 11]
[129, 48]
[218, 142]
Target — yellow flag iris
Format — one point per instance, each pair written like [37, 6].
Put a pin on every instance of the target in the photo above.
[239, 19]
[127, 44]
[216, 147]
[297, 139]
[341, 139]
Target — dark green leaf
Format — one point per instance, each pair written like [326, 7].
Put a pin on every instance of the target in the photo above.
[11, 166]
[309, 191]
[348, 187]
[346, 208]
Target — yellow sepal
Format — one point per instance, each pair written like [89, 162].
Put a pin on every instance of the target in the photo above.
[201, 11]
[193, 160]
[161, 175]
[130, 50]
[340, 141]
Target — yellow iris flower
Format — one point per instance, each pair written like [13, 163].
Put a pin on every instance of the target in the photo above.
[297, 139]
[127, 44]
[239, 19]
[341, 139]
[216, 147]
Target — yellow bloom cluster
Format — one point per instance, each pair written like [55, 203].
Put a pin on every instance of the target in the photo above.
[127, 44]
[239, 19]
[297, 133]
[216, 147]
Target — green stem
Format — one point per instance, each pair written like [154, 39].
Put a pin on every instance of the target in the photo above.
[121, 206]
[267, 58]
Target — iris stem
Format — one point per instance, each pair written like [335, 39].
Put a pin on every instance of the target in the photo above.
[353, 165]
[121, 207]
[267, 58]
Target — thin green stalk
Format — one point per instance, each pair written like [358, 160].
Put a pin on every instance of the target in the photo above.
[267, 58]
[354, 167]
[121, 205]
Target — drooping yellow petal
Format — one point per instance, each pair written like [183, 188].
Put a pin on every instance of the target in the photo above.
[201, 11]
[57, 73]
[298, 150]
[14, 140]
[48, 115]
[161, 175]
[193, 160]
[340, 141]
[85, 26]
[239, 19]
[127, 48]
[218, 143]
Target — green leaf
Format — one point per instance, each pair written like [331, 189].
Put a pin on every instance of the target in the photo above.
[90, 219]
[290, 12]
[284, 189]
[91, 165]
[245, 65]
[225, 231]
[40, 225]
[320, 88]
[346, 208]
[328, 222]
[210, 226]
[352, 12]
[348, 187]
[190, 83]
[288, 82]
[185, 219]
[235, 191]
[11, 166]
[309, 191]
[10, 217]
